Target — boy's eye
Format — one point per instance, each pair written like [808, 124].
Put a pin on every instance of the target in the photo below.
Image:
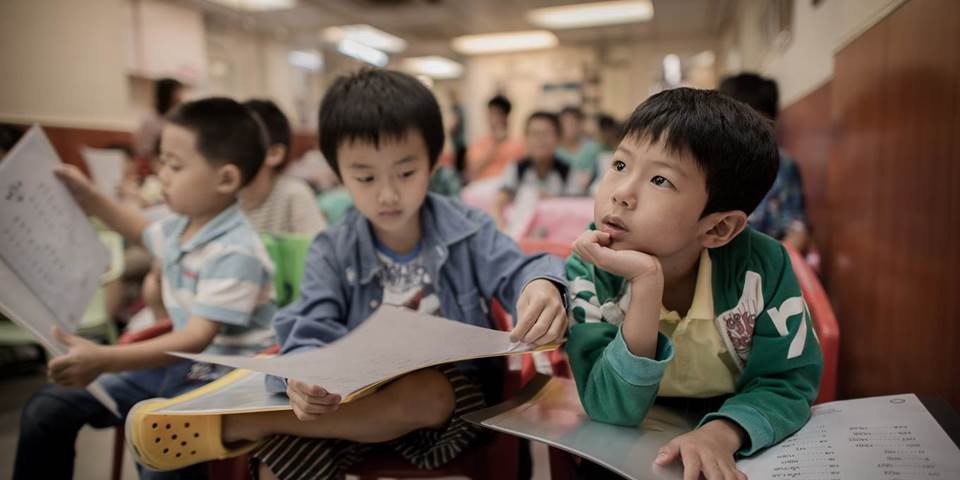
[618, 165]
[364, 179]
[407, 174]
[660, 181]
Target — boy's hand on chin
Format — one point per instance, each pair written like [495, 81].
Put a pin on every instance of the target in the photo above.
[310, 402]
[708, 449]
[541, 315]
[594, 246]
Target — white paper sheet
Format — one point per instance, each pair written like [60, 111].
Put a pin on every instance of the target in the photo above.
[21, 306]
[243, 393]
[881, 438]
[106, 168]
[393, 341]
[50, 257]
[44, 236]
[548, 410]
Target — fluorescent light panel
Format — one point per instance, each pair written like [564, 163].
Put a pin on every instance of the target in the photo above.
[306, 59]
[504, 42]
[592, 14]
[366, 35]
[433, 66]
[362, 52]
[257, 5]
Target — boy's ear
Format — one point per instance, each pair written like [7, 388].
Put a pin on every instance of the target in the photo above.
[719, 228]
[275, 155]
[229, 179]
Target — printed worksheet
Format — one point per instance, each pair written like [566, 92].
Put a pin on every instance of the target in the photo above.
[50, 257]
[392, 342]
[44, 236]
[882, 438]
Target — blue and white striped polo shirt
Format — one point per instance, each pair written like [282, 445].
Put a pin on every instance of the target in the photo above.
[222, 274]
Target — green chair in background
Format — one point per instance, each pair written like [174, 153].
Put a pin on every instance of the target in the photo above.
[289, 254]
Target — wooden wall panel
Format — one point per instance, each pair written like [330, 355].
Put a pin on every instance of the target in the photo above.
[893, 183]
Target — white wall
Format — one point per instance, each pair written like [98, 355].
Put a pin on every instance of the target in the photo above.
[806, 62]
[67, 63]
[64, 63]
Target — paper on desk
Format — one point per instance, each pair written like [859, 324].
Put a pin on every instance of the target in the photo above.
[392, 342]
[50, 257]
[882, 438]
[106, 167]
[548, 410]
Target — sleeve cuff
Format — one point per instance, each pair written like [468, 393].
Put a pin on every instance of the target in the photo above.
[636, 370]
[756, 425]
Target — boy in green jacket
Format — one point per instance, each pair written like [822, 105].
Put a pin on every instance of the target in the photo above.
[675, 296]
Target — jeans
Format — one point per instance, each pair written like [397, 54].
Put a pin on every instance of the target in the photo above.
[53, 417]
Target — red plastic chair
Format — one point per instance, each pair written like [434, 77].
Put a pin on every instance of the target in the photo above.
[824, 323]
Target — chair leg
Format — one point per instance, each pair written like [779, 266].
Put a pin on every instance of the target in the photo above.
[118, 448]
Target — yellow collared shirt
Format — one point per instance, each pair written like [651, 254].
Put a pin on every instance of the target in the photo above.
[701, 365]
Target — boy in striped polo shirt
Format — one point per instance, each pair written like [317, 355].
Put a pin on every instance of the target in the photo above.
[217, 285]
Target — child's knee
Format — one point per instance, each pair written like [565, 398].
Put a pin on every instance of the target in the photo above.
[430, 400]
[264, 472]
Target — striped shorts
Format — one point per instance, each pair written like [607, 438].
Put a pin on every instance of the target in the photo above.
[298, 458]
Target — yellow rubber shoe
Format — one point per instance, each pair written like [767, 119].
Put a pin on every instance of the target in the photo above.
[170, 442]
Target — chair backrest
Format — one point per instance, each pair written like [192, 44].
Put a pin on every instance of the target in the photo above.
[824, 323]
[289, 255]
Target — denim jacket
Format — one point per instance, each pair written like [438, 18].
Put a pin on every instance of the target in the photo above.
[470, 261]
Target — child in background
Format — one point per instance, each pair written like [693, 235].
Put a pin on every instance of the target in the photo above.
[217, 285]
[277, 203]
[541, 171]
[382, 132]
[675, 296]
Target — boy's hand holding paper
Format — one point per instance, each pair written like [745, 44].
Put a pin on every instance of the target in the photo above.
[82, 363]
[310, 402]
[542, 316]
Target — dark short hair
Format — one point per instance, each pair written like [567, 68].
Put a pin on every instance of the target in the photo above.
[500, 102]
[571, 110]
[163, 92]
[760, 93]
[549, 117]
[226, 131]
[733, 145]
[374, 104]
[275, 123]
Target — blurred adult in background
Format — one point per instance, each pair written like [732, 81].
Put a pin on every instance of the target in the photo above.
[540, 174]
[782, 213]
[576, 149]
[167, 93]
[488, 155]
